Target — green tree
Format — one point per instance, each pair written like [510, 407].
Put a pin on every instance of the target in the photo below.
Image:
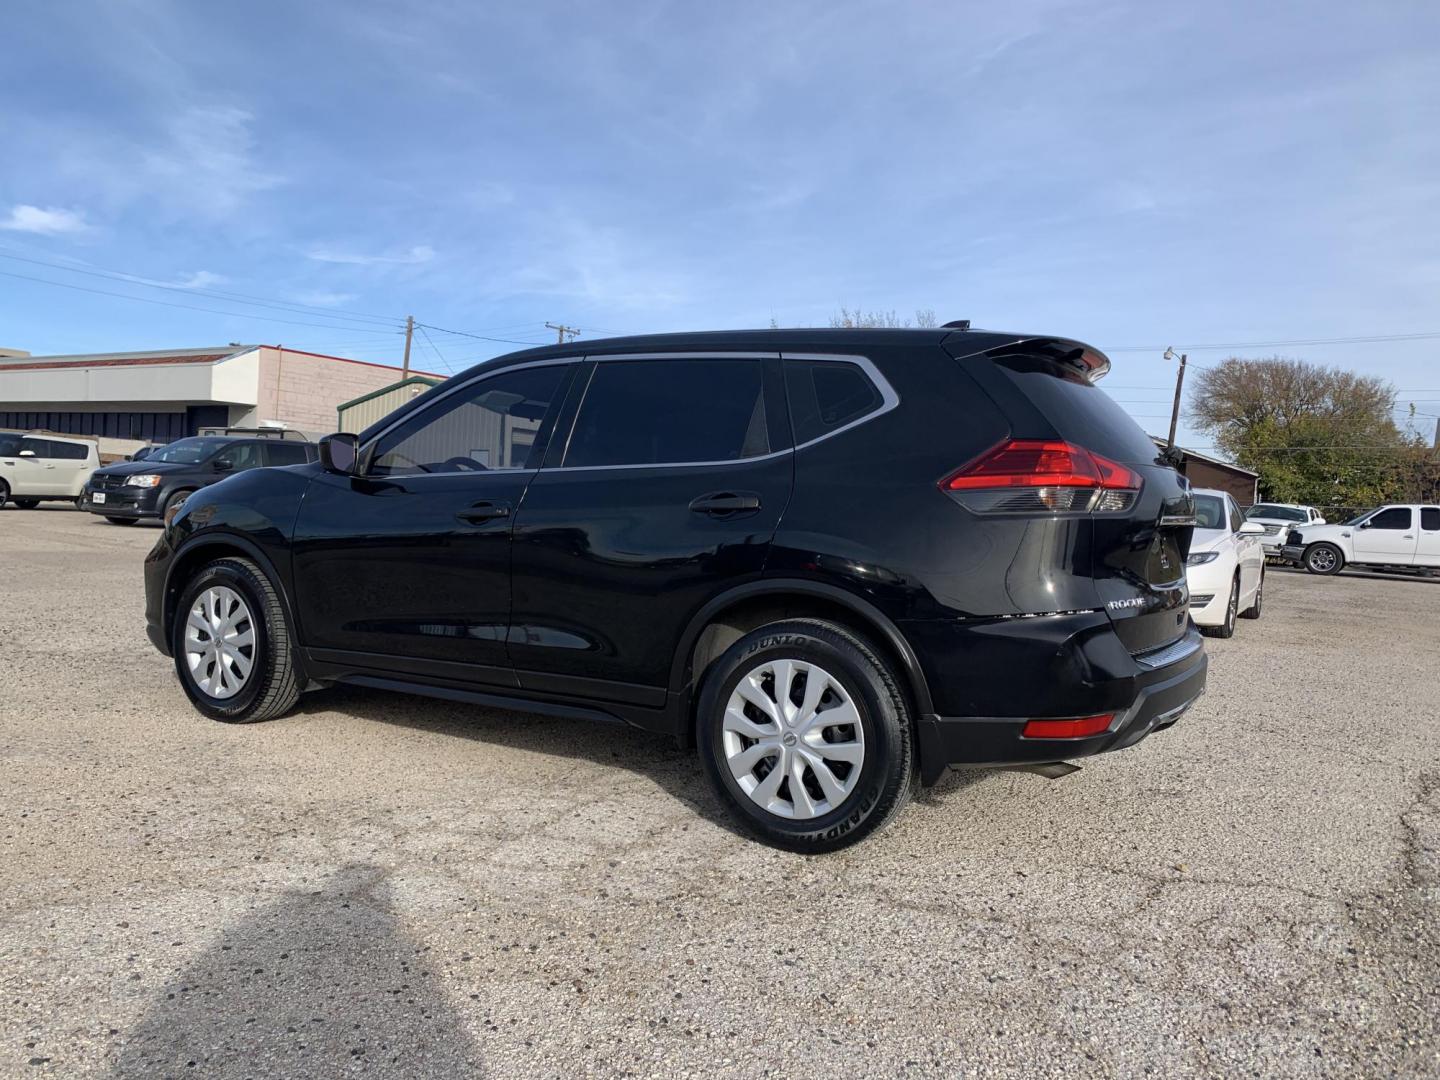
[1315, 434]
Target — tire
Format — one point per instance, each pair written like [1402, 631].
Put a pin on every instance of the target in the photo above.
[4, 494]
[1325, 559]
[120, 521]
[1253, 611]
[220, 687]
[27, 504]
[1227, 628]
[858, 683]
[174, 499]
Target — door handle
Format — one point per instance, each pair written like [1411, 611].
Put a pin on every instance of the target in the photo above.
[483, 512]
[725, 503]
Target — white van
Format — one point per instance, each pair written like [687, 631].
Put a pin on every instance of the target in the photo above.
[38, 467]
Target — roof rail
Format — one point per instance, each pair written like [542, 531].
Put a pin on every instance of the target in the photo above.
[257, 432]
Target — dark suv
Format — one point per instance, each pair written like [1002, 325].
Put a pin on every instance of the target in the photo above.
[127, 491]
[837, 561]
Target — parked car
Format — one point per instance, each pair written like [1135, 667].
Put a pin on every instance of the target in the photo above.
[837, 561]
[127, 491]
[1226, 565]
[1401, 536]
[1278, 519]
[35, 468]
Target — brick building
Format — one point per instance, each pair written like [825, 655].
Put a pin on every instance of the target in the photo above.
[161, 395]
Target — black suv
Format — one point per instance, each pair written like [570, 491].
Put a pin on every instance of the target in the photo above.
[837, 561]
[125, 492]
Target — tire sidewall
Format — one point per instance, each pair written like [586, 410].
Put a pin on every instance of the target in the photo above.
[240, 579]
[887, 754]
[173, 498]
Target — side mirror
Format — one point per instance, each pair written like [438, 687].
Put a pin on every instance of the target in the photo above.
[1318, 521]
[26, 453]
[340, 453]
[1251, 528]
[223, 465]
[1364, 524]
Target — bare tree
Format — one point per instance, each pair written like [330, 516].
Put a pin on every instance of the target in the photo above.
[861, 319]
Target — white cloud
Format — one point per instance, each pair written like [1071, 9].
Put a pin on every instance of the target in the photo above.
[201, 279]
[45, 221]
[416, 255]
[207, 159]
[325, 299]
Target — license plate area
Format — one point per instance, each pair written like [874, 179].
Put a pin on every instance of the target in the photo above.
[98, 498]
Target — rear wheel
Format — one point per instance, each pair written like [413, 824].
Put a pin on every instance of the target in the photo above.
[4, 493]
[27, 504]
[1253, 611]
[1323, 559]
[120, 521]
[232, 645]
[805, 735]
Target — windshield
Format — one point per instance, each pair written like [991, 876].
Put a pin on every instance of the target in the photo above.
[9, 444]
[1209, 512]
[187, 451]
[1276, 513]
[1358, 517]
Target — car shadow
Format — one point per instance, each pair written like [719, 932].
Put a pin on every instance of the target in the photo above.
[1370, 575]
[316, 983]
[678, 772]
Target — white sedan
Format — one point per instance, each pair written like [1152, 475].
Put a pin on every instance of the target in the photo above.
[1226, 566]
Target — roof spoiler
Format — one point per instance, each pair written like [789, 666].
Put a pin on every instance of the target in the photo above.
[1090, 362]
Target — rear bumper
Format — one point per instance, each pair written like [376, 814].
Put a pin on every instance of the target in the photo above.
[1157, 700]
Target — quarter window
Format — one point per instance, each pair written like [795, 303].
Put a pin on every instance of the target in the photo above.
[667, 412]
[826, 395]
[1396, 517]
[491, 424]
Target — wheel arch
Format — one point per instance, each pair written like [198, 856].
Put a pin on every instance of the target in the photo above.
[734, 613]
[206, 548]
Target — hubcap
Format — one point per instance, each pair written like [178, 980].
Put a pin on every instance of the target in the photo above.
[1322, 559]
[793, 739]
[219, 642]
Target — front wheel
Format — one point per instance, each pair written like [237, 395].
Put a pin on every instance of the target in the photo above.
[1232, 606]
[1323, 559]
[804, 733]
[232, 646]
[27, 504]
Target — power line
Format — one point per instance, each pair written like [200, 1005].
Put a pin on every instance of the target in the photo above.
[236, 298]
[192, 307]
[479, 337]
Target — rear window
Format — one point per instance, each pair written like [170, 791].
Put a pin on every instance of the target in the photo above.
[1276, 513]
[1080, 411]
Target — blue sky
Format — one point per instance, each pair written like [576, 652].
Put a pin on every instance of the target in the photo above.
[1132, 174]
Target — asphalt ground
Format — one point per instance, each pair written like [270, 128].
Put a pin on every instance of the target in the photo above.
[389, 886]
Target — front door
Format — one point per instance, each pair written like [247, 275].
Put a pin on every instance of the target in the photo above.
[407, 567]
[1387, 536]
[669, 488]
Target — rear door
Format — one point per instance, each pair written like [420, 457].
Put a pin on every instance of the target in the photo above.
[1136, 554]
[674, 474]
[1387, 536]
[71, 466]
[1428, 551]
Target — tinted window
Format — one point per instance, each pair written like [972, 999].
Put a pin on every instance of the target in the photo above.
[491, 424]
[1397, 517]
[1430, 519]
[39, 447]
[650, 412]
[187, 451]
[283, 453]
[1081, 412]
[1276, 513]
[9, 444]
[241, 456]
[825, 395]
[1209, 512]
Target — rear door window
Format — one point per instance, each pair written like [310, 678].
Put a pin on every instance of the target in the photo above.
[1430, 518]
[826, 395]
[1079, 410]
[282, 453]
[671, 412]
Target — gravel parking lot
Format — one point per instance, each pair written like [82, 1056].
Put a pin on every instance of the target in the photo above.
[394, 886]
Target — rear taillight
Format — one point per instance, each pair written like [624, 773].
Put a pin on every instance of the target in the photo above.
[1043, 476]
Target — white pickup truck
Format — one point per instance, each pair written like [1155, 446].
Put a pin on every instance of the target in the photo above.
[1400, 535]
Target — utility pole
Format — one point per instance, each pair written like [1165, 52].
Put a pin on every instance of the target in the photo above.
[561, 330]
[409, 333]
[1437, 434]
[1179, 383]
